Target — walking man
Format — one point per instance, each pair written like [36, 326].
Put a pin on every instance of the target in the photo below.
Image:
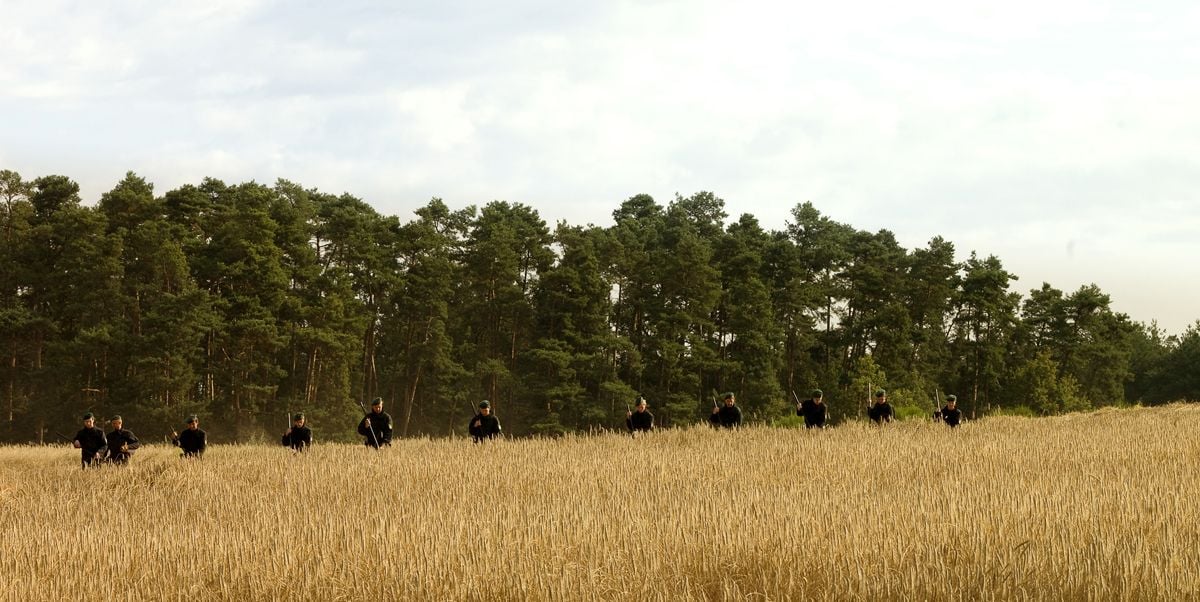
[813, 410]
[640, 420]
[484, 425]
[376, 426]
[192, 441]
[299, 437]
[728, 416]
[881, 411]
[951, 415]
[90, 442]
[121, 442]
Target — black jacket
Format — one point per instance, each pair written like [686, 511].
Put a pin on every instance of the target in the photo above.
[381, 424]
[118, 438]
[193, 443]
[881, 412]
[727, 416]
[299, 438]
[640, 421]
[951, 417]
[489, 427]
[813, 413]
[91, 441]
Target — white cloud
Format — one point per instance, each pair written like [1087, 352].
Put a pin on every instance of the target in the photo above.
[1016, 129]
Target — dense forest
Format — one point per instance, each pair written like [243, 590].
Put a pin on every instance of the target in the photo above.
[243, 303]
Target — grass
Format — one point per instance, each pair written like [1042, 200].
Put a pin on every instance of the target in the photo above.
[1102, 505]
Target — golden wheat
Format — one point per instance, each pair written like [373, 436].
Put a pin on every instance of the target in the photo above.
[1101, 506]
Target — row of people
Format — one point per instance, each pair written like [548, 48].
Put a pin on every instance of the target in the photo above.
[376, 427]
[96, 447]
[118, 445]
[881, 411]
[813, 410]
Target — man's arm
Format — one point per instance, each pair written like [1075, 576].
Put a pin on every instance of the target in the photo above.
[387, 429]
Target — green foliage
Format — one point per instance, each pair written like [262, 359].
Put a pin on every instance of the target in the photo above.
[788, 421]
[1017, 410]
[912, 412]
[243, 303]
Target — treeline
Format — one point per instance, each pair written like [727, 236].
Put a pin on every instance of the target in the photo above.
[242, 303]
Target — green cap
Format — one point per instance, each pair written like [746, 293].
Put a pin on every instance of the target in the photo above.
[297, 416]
[817, 393]
[880, 393]
[951, 398]
[378, 401]
[115, 417]
[193, 418]
[484, 404]
[639, 401]
[88, 416]
[728, 395]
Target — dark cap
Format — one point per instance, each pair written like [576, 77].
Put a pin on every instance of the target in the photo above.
[880, 393]
[950, 398]
[88, 416]
[193, 418]
[728, 395]
[484, 404]
[817, 393]
[115, 417]
[639, 401]
[297, 416]
[378, 401]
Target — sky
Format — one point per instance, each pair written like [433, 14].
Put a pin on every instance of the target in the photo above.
[1062, 137]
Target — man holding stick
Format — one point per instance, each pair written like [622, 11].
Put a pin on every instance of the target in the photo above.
[640, 420]
[121, 442]
[91, 442]
[376, 426]
[192, 441]
[299, 437]
[813, 410]
[484, 425]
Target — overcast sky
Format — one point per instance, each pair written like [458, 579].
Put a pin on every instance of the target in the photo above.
[1061, 136]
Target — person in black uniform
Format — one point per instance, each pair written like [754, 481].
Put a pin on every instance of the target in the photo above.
[483, 425]
[950, 414]
[192, 441]
[813, 410]
[299, 437]
[121, 442]
[639, 420]
[727, 416]
[91, 442]
[881, 411]
[376, 426]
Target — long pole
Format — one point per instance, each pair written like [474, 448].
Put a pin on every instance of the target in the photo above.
[370, 427]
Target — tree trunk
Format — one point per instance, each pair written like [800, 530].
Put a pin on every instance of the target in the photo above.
[410, 399]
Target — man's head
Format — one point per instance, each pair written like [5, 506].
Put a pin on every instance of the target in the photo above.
[730, 399]
[377, 405]
[816, 395]
[116, 422]
[641, 404]
[880, 396]
[193, 422]
[89, 420]
[485, 408]
[951, 401]
[298, 419]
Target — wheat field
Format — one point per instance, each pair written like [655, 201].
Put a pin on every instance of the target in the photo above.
[1089, 506]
